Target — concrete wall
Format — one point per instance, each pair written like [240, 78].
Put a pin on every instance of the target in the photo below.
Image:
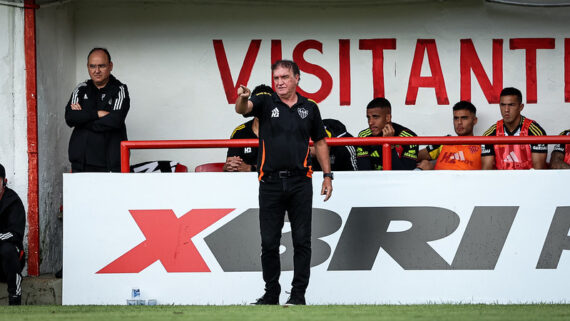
[163, 50]
[13, 136]
[56, 49]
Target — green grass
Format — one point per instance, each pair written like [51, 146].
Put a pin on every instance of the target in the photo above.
[549, 312]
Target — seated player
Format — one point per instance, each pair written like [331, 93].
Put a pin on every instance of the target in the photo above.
[379, 115]
[455, 157]
[524, 156]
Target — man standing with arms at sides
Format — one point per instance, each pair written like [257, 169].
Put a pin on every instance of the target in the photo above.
[12, 225]
[455, 157]
[379, 115]
[560, 158]
[286, 122]
[97, 110]
[514, 124]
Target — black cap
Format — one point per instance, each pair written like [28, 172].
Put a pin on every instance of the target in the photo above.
[2, 172]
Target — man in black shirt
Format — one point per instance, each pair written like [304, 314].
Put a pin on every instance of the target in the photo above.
[286, 122]
[244, 159]
[379, 115]
[97, 110]
[12, 225]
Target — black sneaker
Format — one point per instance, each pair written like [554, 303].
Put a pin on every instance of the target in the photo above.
[14, 300]
[267, 300]
[296, 300]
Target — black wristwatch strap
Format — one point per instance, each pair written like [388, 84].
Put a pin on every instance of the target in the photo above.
[330, 175]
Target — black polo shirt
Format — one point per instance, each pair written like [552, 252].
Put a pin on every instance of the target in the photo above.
[247, 154]
[284, 133]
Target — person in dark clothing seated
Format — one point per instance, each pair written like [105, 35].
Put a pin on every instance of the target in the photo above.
[12, 225]
[379, 115]
[343, 158]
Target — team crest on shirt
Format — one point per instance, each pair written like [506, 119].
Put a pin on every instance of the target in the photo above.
[275, 113]
[303, 112]
[103, 96]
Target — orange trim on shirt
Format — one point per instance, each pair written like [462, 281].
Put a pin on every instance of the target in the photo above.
[310, 168]
[262, 160]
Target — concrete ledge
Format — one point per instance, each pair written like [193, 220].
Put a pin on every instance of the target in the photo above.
[42, 290]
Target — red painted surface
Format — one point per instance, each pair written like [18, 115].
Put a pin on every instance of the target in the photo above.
[230, 87]
[276, 54]
[168, 239]
[531, 45]
[377, 46]
[567, 70]
[469, 61]
[32, 132]
[344, 70]
[318, 71]
[434, 81]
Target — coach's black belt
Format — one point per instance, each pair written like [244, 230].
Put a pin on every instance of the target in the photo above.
[288, 173]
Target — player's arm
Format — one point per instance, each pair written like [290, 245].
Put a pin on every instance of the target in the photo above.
[538, 160]
[232, 164]
[322, 151]
[75, 115]
[426, 165]
[243, 104]
[14, 217]
[115, 119]
[409, 157]
[423, 154]
[538, 151]
[557, 161]
[488, 153]
[488, 162]
[426, 157]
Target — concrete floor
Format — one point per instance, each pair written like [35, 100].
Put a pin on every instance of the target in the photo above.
[41, 290]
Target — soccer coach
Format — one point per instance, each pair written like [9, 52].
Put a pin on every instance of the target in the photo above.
[286, 122]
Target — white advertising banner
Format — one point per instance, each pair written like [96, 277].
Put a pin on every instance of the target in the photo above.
[383, 237]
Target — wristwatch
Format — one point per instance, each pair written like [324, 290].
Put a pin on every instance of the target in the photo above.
[329, 175]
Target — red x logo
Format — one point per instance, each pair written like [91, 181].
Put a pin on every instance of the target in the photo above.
[168, 239]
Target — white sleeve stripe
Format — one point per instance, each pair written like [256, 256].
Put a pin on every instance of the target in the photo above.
[6, 236]
[341, 135]
[119, 101]
[74, 97]
[18, 284]
[352, 152]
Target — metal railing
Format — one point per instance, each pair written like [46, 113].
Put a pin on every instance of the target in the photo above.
[385, 142]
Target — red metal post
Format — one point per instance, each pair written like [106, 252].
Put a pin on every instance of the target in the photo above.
[32, 131]
[386, 157]
[125, 157]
